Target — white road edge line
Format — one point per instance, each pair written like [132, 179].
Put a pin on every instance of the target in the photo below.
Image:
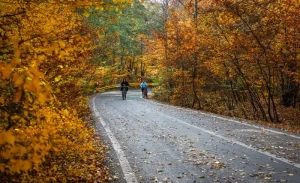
[236, 142]
[127, 171]
[228, 139]
[226, 119]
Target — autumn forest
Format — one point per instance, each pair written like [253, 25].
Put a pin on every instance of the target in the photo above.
[237, 58]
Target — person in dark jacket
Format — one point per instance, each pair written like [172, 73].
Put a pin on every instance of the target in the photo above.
[124, 83]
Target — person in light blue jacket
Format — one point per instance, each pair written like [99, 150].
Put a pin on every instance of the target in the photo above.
[143, 86]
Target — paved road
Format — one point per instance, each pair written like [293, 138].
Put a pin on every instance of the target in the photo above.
[152, 142]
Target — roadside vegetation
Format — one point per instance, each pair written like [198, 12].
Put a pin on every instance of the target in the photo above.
[235, 58]
[47, 52]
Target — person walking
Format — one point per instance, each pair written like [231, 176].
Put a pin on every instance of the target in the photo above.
[144, 89]
[124, 84]
[124, 88]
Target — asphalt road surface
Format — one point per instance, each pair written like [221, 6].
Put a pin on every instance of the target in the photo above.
[153, 142]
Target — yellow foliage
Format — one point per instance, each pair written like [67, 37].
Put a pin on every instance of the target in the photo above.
[57, 79]
[7, 137]
[6, 71]
[44, 51]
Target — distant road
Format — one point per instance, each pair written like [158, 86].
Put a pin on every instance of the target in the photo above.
[152, 142]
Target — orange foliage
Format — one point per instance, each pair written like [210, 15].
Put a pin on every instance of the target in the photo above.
[43, 57]
[231, 55]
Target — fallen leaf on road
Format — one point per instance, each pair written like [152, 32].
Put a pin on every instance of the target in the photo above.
[165, 179]
[115, 177]
[159, 171]
[155, 179]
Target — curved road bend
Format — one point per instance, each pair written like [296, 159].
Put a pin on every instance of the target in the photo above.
[152, 142]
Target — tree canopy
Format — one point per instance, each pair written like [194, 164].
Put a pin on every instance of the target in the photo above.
[233, 57]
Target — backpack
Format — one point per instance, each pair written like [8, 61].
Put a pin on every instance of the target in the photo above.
[144, 84]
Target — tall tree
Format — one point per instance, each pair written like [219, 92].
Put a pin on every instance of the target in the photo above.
[243, 54]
